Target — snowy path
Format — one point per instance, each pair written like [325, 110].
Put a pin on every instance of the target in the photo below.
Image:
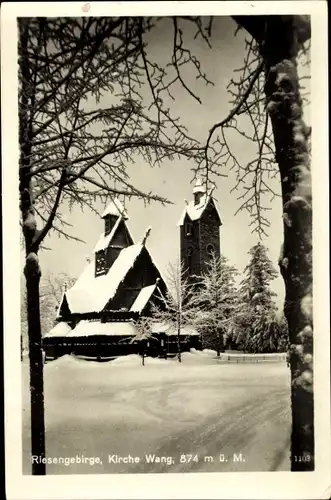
[168, 409]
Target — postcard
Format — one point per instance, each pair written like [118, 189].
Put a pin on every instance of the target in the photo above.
[165, 229]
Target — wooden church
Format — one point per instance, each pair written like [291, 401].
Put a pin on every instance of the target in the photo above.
[97, 315]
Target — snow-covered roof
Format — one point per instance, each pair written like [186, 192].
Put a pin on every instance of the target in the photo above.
[115, 207]
[143, 298]
[170, 329]
[90, 293]
[86, 328]
[60, 304]
[198, 188]
[59, 330]
[114, 328]
[104, 239]
[195, 211]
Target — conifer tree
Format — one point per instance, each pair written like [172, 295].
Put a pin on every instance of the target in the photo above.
[215, 302]
[257, 325]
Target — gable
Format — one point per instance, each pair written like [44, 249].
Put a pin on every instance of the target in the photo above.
[156, 299]
[90, 293]
[142, 274]
[210, 213]
[195, 211]
[119, 233]
[121, 237]
[64, 310]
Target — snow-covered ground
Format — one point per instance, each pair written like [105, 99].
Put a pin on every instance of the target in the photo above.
[199, 407]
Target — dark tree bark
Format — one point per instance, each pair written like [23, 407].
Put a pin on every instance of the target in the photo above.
[32, 274]
[32, 269]
[279, 46]
[292, 155]
[218, 349]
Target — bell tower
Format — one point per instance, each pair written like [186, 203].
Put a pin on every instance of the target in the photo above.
[199, 231]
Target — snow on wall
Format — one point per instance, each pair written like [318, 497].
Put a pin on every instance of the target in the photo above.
[142, 299]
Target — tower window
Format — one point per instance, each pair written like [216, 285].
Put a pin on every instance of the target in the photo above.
[100, 263]
[210, 251]
[190, 259]
[188, 228]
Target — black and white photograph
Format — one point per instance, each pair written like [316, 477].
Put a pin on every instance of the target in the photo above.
[165, 249]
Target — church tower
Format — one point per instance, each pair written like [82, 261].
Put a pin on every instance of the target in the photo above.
[114, 238]
[199, 231]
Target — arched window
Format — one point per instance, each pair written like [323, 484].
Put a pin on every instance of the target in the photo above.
[210, 251]
[189, 259]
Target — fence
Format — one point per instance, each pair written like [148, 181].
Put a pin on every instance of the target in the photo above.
[253, 358]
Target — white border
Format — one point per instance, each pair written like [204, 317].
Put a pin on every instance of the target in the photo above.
[194, 486]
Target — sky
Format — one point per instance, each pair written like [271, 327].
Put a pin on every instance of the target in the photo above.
[173, 180]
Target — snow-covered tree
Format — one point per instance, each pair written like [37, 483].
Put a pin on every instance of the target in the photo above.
[177, 310]
[51, 290]
[215, 302]
[269, 93]
[256, 327]
[144, 334]
[283, 337]
[82, 120]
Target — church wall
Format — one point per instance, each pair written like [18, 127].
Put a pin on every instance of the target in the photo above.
[209, 235]
[190, 242]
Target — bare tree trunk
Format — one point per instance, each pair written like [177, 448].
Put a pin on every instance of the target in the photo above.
[32, 274]
[32, 268]
[178, 338]
[218, 345]
[284, 106]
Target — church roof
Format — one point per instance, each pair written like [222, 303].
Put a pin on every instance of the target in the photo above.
[91, 293]
[112, 328]
[115, 207]
[87, 328]
[198, 188]
[170, 329]
[104, 239]
[195, 211]
[59, 330]
[143, 298]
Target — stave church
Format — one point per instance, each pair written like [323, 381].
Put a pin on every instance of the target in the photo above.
[97, 317]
